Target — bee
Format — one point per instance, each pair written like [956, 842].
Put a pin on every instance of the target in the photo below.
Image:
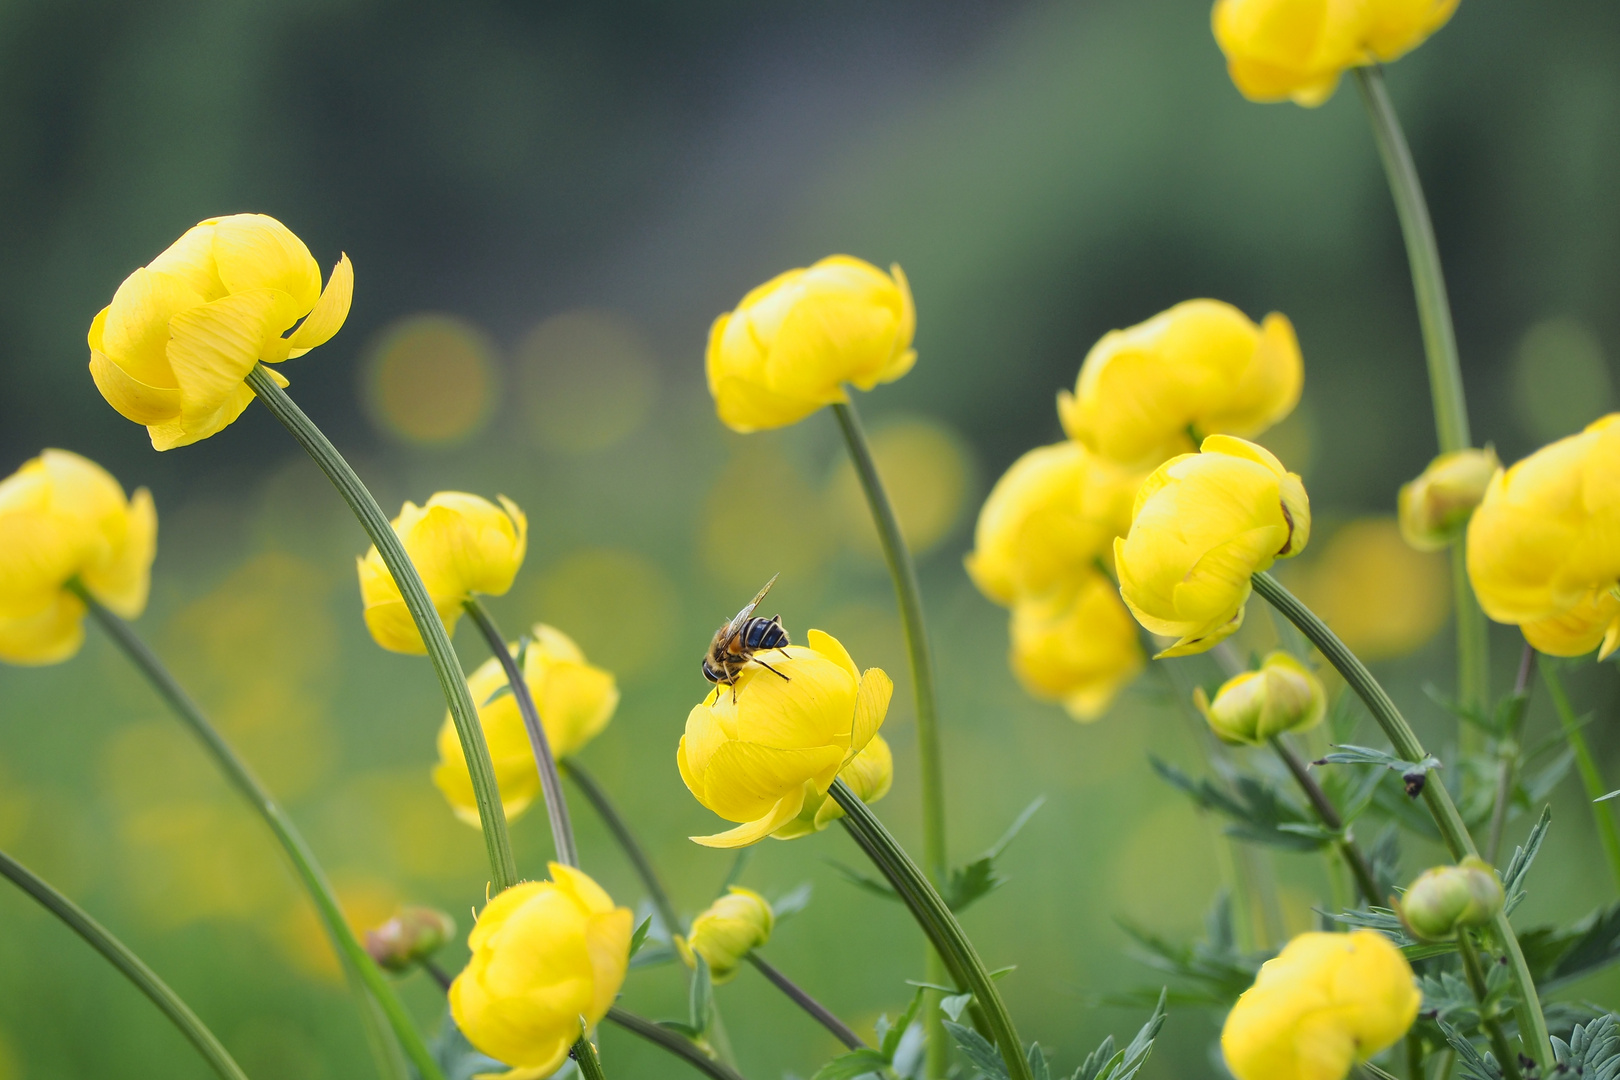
[735, 643]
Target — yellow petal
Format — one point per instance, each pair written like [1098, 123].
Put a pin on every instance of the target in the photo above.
[330, 310]
[833, 649]
[754, 831]
[133, 399]
[213, 347]
[871, 705]
[255, 252]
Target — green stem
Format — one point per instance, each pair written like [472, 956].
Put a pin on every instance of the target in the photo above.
[118, 954]
[1353, 858]
[562, 827]
[632, 848]
[675, 1043]
[797, 995]
[1488, 1019]
[1532, 1023]
[1507, 753]
[938, 922]
[308, 868]
[1414, 1055]
[1473, 642]
[446, 665]
[584, 1055]
[1591, 779]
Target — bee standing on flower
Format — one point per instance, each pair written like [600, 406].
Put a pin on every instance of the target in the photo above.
[736, 642]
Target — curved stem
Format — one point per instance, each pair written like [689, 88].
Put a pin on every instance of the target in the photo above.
[118, 954]
[1532, 1023]
[1591, 779]
[816, 1009]
[584, 1055]
[1353, 858]
[631, 847]
[676, 1044]
[562, 828]
[1507, 753]
[938, 922]
[446, 665]
[1488, 1019]
[353, 954]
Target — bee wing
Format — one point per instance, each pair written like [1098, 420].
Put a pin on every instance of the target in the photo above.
[746, 613]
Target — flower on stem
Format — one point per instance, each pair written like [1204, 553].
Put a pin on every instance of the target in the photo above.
[1203, 526]
[727, 931]
[1435, 507]
[869, 776]
[62, 517]
[1544, 544]
[1445, 899]
[1200, 368]
[1076, 645]
[413, 935]
[757, 752]
[1296, 50]
[1255, 706]
[545, 955]
[174, 347]
[1325, 1003]
[794, 342]
[575, 699]
[461, 544]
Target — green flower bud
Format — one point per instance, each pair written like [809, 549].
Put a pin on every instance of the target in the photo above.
[1446, 898]
[1259, 705]
[731, 928]
[1435, 508]
[411, 936]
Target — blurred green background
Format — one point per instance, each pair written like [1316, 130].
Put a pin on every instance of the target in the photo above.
[545, 206]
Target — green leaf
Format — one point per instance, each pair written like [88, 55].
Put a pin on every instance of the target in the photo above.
[979, 1051]
[979, 878]
[1519, 866]
[1605, 798]
[1257, 810]
[888, 1035]
[952, 1006]
[792, 902]
[1474, 1065]
[1413, 773]
[1038, 1068]
[1593, 1050]
[652, 956]
[1134, 1056]
[639, 938]
[1377, 1073]
[1221, 974]
[1557, 957]
[863, 881]
[856, 1063]
[701, 1001]
[498, 693]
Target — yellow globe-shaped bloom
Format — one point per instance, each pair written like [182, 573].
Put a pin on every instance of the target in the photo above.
[545, 956]
[794, 342]
[727, 931]
[1204, 525]
[575, 700]
[1324, 1003]
[1048, 520]
[1435, 507]
[1255, 706]
[63, 516]
[1201, 367]
[461, 544]
[1544, 545]
[869, 775]
[174, 347]
[1075, 645]
[758, 757]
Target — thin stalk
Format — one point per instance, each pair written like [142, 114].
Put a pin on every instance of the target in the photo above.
[930, 760]
[1488, 1019]
[134, 969]
[1414, 1055]
[584, 1055]
[1591, 779]
[1532, 1023]
[674, 1043]
[1507, 753]
[816, 1009]
[355, 958]
[1473, 641]
[628, 843]
[938, 922]
[562, 828]
[1353, 858]
[446, 665]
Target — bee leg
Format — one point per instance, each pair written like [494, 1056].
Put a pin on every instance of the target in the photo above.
[772, 670]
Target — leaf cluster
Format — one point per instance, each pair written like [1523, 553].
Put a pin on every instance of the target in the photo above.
[1103, 1063]
[882, 1061]
[1258, 811]
[1217, 971]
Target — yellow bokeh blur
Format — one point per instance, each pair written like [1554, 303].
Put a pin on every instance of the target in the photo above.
[10, 1064]
[762, 517]
[397, 819]
[1561, 380]
[430, 379]
[586, 379]
[619, 606]
[1378, 594]
[367, 901]
[928, 470]
[1164, 871]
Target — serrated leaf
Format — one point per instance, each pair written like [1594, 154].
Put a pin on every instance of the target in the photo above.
[1413, 773]
[700, 1003]
[1140, 1049]
[1519, 866]
[792, 902]
[979, 878]
[1105, 1056]
[1382, 919]
[1593, 1049]
[639, 938]
[1256, 809]
[856, 1063]
[863, 881]
[1474, 1065]
[1038, 1068]
[979, 1051]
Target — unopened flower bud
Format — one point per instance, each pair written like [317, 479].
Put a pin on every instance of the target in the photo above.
[411, 936]
[732, 927]
[1446, 898]
[1259, 705]
[1435, 507]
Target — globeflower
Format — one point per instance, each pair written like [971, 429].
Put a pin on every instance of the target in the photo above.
[174, 348]
[794, 342]
[758, 756]
[1200, 368]
[63, 517]
[1446, 898]
[1435, 508]
[1255, 706]
[461, 544]
[869, 776]
[575, 700]
[1204, 525]
[411, 936]
[727, 931]
[1075, 645]
[1541, 546]
[1326, 1002]
[1298, 49]
[546, 956]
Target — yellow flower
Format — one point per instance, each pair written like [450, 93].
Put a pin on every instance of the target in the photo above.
[1076, 645]
[1444, 898]
[575, 700]
[461, 545]
[63, 516]
[1203, 525]
[727, 931]
[869, 776]
[545, 955]
[1435, 508]
[1255, 706]
[758, 758]
[1201, 367]
[1297, 49]
[793, 342]
[1544, 545]
[174, 347]
[1048, 520]
[1326, 1002]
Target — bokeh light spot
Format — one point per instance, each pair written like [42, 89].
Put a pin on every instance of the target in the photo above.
[928, 470]
[586, 379]
[618, 605]
[1164, 869]
[10, 1064]
[430, 380]
[762, 517]
[366, 901]
[1561, 381]
[1381, 597]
